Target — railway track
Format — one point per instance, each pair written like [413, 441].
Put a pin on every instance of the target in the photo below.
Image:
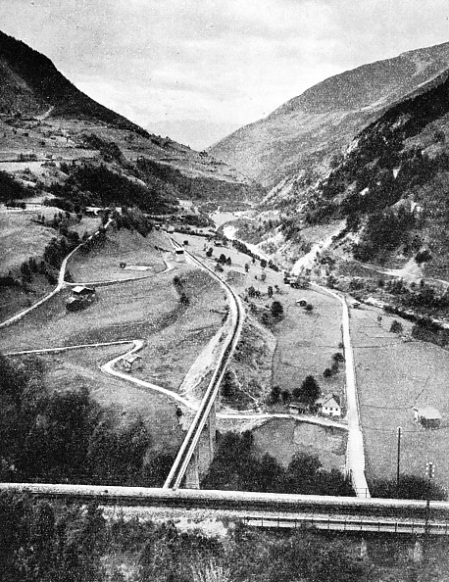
[190, 443]
[262, 510]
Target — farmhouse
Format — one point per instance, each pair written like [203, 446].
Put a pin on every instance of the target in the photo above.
[81, 298]
[328, 406]
[429, 417]
[82, 291]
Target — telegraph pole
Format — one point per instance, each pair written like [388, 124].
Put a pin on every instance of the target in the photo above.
[399, 462]
[430, 475]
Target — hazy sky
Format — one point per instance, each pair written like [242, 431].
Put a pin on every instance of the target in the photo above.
[197, 69]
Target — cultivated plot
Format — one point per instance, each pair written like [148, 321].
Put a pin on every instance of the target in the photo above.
[393, 377]
[282, 438]
[124, 255]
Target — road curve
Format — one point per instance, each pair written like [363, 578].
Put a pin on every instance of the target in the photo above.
[61, 284]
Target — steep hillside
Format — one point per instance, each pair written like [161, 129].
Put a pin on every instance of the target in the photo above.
[307, 132]
[392, 185]
[44, 117]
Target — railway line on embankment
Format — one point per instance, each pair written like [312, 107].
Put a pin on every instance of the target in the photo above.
[262, 510]
[190, 443]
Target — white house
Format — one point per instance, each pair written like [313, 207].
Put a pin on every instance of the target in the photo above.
[328, 406]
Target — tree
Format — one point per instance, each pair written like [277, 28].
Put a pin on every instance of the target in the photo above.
[396, 327]
[263, 263]
[26, 272]
[246, 267]
[308, 392]
[277, 310]
[270, 291]
[275, 394]
[209, 252]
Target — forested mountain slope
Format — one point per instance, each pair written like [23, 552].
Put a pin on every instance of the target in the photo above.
[304, 134]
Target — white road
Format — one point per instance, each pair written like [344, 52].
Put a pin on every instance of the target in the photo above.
[355, 454]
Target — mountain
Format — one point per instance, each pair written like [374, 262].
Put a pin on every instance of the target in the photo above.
[391, 185]
[43, 115]
[309, 130]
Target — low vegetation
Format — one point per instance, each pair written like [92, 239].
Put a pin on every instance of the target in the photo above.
[47, 541]
[237, 467]
[55, 436]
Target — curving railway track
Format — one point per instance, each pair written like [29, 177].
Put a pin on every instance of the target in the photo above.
[190, 443]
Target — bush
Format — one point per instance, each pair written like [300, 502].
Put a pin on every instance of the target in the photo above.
[277, 310]
[396, 327]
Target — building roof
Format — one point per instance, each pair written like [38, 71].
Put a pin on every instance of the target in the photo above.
[329, 401]
[429, 413]
[82, 289]
[132, 358]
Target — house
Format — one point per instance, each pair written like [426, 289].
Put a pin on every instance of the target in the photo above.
[179, 255]
[328, 406]
[132, 362]
[82, 291]
[81, 297]
[429, 417]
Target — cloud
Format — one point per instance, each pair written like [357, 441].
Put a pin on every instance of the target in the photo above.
[228, 62]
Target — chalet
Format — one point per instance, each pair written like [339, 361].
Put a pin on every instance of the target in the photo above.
[81, 297]
[82, 291]
[429, 417]
[132, 362]
[328, 406]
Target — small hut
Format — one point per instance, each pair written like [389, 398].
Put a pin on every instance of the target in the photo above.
[132, 362]
[428, 416]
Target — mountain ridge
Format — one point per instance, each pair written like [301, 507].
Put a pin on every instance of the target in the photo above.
[309, 129]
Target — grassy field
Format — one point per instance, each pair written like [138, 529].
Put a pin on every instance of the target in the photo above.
[392, 378]
[171, 351]
[81, 368]
[282, 438]
[20, 238]
[129, 310]
[103, 264]
[306, 342]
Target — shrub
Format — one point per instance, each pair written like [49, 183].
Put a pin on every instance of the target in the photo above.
[396, 327]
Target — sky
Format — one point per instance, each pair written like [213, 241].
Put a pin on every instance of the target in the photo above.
[198, 69]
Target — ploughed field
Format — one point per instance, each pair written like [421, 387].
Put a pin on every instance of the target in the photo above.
[393, 377]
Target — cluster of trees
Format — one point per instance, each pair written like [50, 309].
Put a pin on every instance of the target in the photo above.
[97, 185]
[133, 219]
[384, 232]
[238, 467]
[65, 436]
[179, 284]
[40, 541]
[11, 189]
[337, 359]
[307, 393]
[198, 187]
[410, 487]
[108, 149]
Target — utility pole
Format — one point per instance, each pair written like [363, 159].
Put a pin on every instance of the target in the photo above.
[399, 462]
[430, 475]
